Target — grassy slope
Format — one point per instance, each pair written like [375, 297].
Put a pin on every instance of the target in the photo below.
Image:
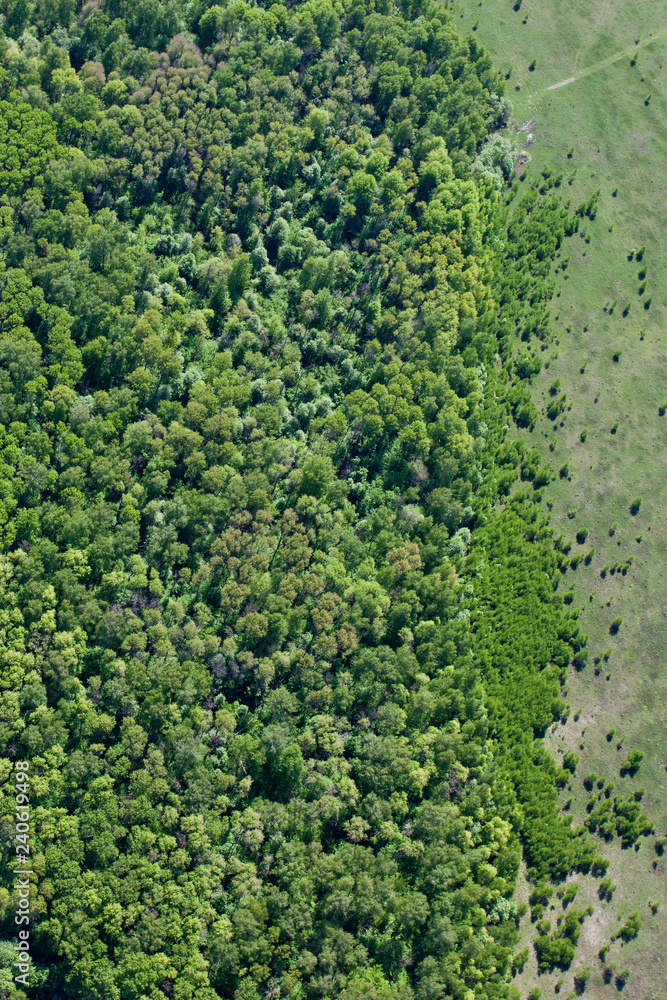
[619, 142]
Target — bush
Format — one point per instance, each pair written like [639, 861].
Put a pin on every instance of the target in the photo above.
[615, 625]
[606, 889]
[570, 893]
[581, 978]
[631, 764]
[540, 894]
[554, 952]
[635, 505]
[630, 928]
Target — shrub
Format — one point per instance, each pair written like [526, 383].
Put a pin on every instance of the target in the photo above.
[615, 625]
[541, 894]
[570, 893]
[631, 764]
[599, 866]
[554, 952]
[606, 889]
[556, 407]
[630, 928]
[584, 434]
[581, 978]
[636, 504]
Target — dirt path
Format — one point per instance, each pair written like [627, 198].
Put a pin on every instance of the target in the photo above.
[606, 62]
[555, 86]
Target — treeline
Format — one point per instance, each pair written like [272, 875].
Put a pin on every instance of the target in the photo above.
[279, 633]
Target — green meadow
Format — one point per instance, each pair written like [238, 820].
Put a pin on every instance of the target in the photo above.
[605, 130]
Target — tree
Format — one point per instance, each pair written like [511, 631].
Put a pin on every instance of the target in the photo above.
[361, 190]
[278, 618]
[239, 276]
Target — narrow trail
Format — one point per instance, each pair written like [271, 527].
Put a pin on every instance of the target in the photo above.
[604, 62]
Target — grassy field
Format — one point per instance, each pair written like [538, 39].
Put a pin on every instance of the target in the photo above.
[605, 130]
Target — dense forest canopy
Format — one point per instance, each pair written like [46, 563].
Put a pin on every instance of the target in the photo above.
[279, 629]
